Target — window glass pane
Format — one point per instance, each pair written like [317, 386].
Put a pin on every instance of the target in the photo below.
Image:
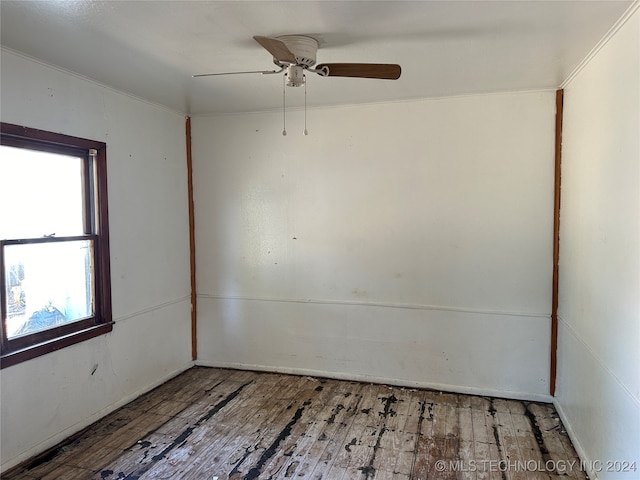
[47, 284]
[41, 194]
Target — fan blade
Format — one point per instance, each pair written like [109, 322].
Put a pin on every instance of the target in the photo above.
[385, 71]
[264, 72]
[277, 48]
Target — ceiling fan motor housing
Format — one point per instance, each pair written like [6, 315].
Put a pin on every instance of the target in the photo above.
[304, 48]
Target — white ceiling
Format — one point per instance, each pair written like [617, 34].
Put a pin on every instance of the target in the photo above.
[151, 48]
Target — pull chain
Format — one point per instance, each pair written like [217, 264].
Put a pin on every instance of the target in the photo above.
[305, 106]
[284, 114]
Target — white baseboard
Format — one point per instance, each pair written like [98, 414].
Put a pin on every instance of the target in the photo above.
[67, 432]
[593, 475]
[383, 380]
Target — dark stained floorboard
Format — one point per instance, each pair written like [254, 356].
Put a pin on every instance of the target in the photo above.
[211, 423]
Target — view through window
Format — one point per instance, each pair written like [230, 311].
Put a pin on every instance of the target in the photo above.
[53, 242]
[47, 284]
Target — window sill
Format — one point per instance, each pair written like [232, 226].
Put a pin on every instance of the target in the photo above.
[18, 356]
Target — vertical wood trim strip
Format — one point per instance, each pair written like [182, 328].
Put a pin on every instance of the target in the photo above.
[192, 244]
[556, 241]
[104, 275]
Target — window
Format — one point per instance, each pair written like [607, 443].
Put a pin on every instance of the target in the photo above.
[55, 287]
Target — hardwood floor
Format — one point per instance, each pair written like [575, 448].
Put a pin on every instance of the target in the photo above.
[217, 424]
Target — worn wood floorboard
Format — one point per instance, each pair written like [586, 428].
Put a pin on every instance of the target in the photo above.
[224, 424]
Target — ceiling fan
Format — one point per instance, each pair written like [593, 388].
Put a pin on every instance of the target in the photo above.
[297, 53]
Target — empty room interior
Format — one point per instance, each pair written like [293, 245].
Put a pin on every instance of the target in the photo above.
[320, 239]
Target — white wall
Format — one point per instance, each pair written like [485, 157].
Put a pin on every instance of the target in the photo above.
[403, 242]
[598, 389]
[46, 399]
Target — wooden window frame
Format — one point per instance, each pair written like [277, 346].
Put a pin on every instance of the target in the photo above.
[96, 230]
